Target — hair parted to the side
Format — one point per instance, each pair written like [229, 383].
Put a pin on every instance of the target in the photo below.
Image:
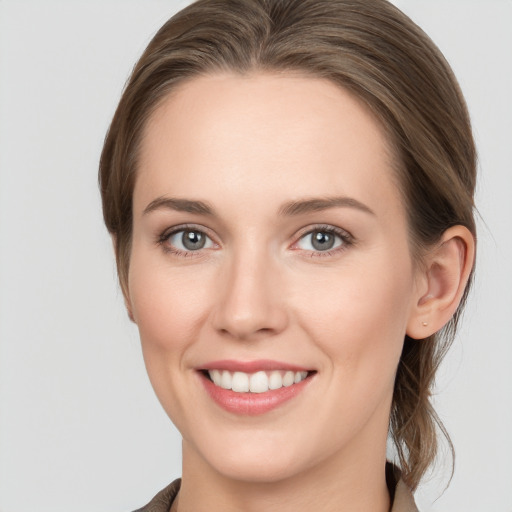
[370, 48]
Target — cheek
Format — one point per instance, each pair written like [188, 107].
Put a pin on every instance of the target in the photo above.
[168, 305]
[169, 308]
[357, 318]
[359, 313]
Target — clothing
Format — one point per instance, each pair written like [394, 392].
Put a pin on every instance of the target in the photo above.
[401, 495]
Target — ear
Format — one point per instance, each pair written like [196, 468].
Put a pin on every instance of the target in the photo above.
[441, 282]
[124, 288]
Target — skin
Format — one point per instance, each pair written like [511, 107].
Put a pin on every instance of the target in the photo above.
[259, 289]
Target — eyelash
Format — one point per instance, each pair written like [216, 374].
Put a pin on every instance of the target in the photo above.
[347, 240]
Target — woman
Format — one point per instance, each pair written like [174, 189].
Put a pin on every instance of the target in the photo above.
[289, 187]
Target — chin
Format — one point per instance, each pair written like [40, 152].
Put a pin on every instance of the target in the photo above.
[260, 468]
[269, 458]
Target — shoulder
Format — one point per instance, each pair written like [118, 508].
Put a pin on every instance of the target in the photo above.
[163, 500]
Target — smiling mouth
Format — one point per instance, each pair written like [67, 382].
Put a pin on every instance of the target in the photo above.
[251, 388]
[257, 382]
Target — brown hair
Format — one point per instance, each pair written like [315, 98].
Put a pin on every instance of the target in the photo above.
[370, 48]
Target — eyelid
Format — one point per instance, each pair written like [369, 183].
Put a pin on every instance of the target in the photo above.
[325, 227]
[185, 227]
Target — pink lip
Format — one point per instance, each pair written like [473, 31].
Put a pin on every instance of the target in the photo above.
[252, 366]
[251, 404]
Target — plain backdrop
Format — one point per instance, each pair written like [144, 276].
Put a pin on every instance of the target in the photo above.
[80, 427]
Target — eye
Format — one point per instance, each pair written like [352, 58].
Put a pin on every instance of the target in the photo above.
[323, 239]
[186, 240]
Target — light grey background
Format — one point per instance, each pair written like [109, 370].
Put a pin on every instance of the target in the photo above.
[80, 428]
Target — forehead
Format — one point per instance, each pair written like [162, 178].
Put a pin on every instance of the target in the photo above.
[257, 135]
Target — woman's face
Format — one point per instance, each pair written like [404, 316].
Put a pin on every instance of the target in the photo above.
[270, 247]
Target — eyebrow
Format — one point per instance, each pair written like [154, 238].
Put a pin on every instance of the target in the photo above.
[303, 206]
[180, 205]
[291, 208]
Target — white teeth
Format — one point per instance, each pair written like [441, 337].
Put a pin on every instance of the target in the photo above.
[275, 381]
[288, 379]
[240, 382]
[216, 376]
[225, 381]
[258, 382]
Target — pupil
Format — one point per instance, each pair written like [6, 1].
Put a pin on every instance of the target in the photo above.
[322, 241]
[192, 240]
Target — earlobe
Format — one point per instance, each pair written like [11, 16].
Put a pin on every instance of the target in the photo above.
[444, 277]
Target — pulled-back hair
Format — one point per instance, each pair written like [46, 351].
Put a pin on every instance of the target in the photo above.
[369, 48]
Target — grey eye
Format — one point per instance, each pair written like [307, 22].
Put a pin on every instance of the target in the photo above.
[190, 240]
[320, 241]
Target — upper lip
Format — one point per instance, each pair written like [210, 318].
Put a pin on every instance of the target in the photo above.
[252, 366]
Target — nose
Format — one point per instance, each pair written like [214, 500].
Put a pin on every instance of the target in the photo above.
[251, 302]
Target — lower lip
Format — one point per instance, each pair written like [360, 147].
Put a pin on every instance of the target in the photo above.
[252, 404]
